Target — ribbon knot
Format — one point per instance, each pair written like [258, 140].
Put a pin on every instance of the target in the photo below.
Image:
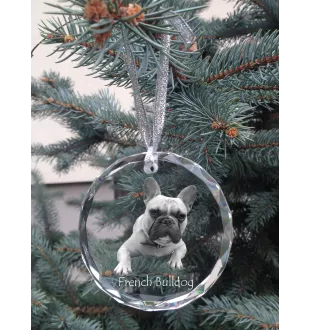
[151, 161]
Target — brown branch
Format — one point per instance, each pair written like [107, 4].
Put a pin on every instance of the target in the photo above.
[74, 107]
[259, 4]
[257, 146]
[91, 45]
[37, 303]
[48, 81]
[102, 121]
[247, 66]
[121, 143]
[208, 37]
[90, 310]
[261, 87]
[137, 194]
[59, 274]
[65, 249]
[40, 42]
[240, 316]
[72, 146]
[182, 137]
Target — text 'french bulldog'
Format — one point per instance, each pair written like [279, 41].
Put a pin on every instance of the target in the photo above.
[158, 231]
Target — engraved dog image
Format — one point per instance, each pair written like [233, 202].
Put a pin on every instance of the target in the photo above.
[158, 231]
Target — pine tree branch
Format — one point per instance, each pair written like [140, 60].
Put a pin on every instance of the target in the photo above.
[55, 268]
[218, 120]
[43, 205]
[97, 119]
[99, 111]
[76, 35]
[263, 207]
[245, 55]
[271, 7]
[39, 306]
[265, 8]
[253, 313]
[244, 20]
[66, 153]
[62, 317]
[264, 148]
[69, 250]
[118, 319]
[57, 279]
[182, 318]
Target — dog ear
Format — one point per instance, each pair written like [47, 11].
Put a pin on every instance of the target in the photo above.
[188, 196]
[151, 189]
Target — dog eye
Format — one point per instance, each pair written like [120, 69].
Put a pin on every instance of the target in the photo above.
[181, 217]
[154, 213]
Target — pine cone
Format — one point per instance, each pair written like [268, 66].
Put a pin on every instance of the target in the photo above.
[215, 125]
[69, 38]
[133, 9]
[232, 132]
[108, 273]
[101, 37]
[95, 10]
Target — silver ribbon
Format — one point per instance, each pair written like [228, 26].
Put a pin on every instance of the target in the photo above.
[152, 142]
[139, 106]
[186, 33]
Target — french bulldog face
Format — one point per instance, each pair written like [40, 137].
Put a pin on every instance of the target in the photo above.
[166, 216]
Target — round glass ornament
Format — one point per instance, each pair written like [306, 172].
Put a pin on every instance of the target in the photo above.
[156, 286]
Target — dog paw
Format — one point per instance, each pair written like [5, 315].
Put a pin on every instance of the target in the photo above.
[123, 269]
[175, 263]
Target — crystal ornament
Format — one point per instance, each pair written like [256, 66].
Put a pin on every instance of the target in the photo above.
[162, 220]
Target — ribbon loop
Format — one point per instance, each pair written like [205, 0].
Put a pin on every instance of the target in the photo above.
[139, 106]
[152, 142]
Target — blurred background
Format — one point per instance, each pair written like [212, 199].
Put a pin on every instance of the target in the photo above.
[77, 181]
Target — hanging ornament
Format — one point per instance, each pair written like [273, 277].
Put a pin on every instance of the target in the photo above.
[154, 267]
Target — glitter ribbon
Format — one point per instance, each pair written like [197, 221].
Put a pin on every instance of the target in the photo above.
[152, 141]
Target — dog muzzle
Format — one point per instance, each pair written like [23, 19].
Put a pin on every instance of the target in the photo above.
[165, 225]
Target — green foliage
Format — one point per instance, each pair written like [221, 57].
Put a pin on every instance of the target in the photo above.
[263, 207]
[246, 313]
[44, 211]
[95, 119]
[69, 250]
[199, 110]
[105, 60]
[243, 20]
[57, 298]
[242, 55]
[269, 8]
[52, 272]
[183, 318]
[120, 320]
[222, 112]
[39, 307]
[63, 318]
[262, 148]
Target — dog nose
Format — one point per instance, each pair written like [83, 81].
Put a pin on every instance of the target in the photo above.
[166, 221]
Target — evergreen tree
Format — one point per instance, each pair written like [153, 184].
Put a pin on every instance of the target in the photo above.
[222, 112]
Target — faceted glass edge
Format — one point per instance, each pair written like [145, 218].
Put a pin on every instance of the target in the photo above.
[225, 248]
